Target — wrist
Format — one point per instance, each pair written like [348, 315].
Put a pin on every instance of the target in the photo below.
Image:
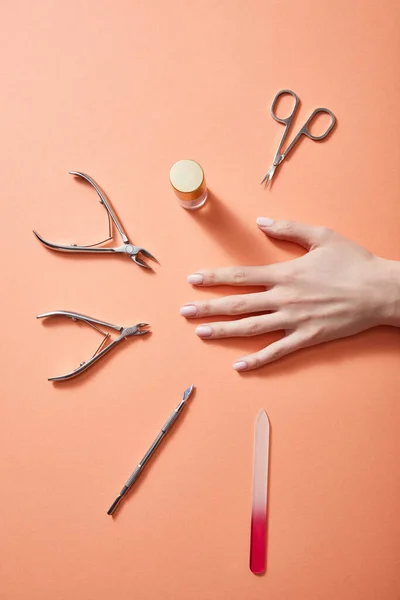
[388, 292]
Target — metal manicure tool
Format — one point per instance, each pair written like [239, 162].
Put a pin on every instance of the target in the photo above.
[124, 333]
[305, 130]
[127, 248]
[136, 473]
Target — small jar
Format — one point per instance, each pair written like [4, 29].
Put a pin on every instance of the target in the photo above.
[189, 184]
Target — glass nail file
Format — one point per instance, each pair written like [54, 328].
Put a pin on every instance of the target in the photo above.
[137, 472]
[258, 534]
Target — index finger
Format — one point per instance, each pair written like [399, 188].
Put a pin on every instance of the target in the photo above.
[260, 275]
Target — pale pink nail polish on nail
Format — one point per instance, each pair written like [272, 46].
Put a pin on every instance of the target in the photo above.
[265, 221]
[195, 278]
[240, 365]
[204, 331]
[188, 311]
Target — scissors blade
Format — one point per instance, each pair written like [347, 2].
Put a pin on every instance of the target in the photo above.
[267, 178]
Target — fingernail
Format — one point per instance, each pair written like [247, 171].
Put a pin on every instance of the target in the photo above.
[188, 311]
[265, 221]
[203, 331]
[195, 278]
[240, 365]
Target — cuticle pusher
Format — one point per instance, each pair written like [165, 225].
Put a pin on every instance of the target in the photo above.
[137, 472]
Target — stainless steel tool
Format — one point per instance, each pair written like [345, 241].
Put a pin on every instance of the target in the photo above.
[124, 333]
[136, 473]
[304, 130]
[127, 248]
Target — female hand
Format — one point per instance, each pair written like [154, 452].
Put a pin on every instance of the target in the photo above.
[336, 290]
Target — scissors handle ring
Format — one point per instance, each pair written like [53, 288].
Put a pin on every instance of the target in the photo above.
[287, 119]
[306, 131]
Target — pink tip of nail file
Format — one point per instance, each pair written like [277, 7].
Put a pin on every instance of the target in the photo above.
[258, 535]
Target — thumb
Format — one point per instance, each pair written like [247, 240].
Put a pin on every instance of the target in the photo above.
[307, 236]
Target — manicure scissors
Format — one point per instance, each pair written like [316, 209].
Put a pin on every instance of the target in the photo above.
[305, 130]
[127, 248]
[124, 333]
